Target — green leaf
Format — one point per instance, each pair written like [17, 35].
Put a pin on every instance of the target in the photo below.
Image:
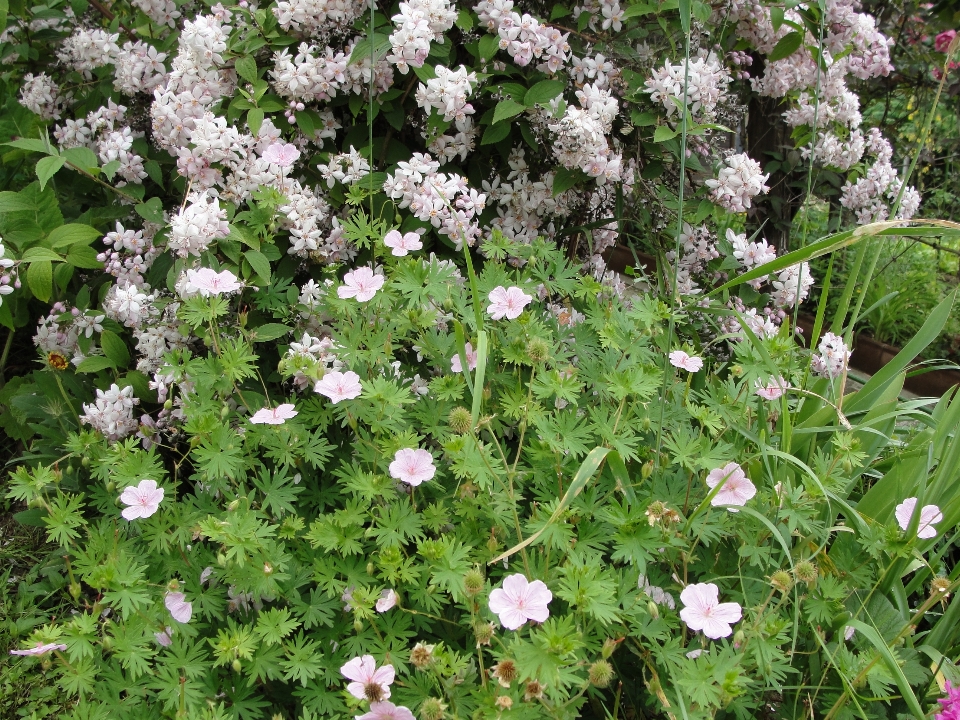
[664, 133]
[14, 202]
[115, 348]
[255, 119]
[71, 234]
[543, 92]
[151, 210]
[94, 363]
[495, 133]
[110, 169]
[786, 46]
[36, 254]
[425, 73]
[40, 279]
[241, 234]
[376, 45]
[246, 68]
[4, 8]
[893, 667]
[47, 168]
[270, 331]
[258, 261]
[31, 145]
[81, 156]
[489, 44]
[565, 179]
[83, 256]
[589, 466]
[507, 109]
[642, 119]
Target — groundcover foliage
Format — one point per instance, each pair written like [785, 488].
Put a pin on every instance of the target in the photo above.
[339, 411]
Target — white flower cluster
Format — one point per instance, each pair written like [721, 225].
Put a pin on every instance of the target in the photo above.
[132, 253]
[833, 358]
[604, 14]
[741, 180]
[139, 68]
[418, 23]
[316, 17]
[315, 73]
[54, 336]
[129, 304]
[112, 413]
[87, 49]
[581, 136]
[8, 280]
[871, 196]
[197, 224]
[792, 286]
[524, 204]
[346, 168]
[450, 147]
[103, 132]
[162, 12]
[313, 233]
[524, 37]
[750, 254]
[40, 94]
[596, 69]
[707, 82]
[309, 359]
[445, 201]
[447, 93]
[699, 248]
[157, 338]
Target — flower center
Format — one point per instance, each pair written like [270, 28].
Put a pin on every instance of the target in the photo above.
[373, 691]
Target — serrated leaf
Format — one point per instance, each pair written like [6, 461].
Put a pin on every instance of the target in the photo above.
[642, 119]
[258, 261]
[495, 133]
[13, 202]
[71, 234]
[565, 179]
[664, 133]
[786, 46]
[83, 256]
[94, 363]
[36, 254]
[40, 279]
[31, 145]
[270, 331]
[542, 93]
[489, 44]
[246, 68]
[114, 348]
[425, 73]
[255, 119]
[637, 10]
[507, 109]
[110, 169]
[151, 210]
[81, 156]
[47, 168]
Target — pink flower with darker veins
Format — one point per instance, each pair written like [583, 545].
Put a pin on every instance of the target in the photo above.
[690, 363]
[456, 365]
[930, 515]
[40, 649]
[274, 416]
[143, 500]
[736, 489]
[773, 389]
[412, 466]
[179, 608]
[369, 682]
[507, 302]
[361, 284]
[281, 154]
[386, 711]
[520, 600]
[400, 245]
[339, 386]
[703, 611]
[388, 599]
[207, 282]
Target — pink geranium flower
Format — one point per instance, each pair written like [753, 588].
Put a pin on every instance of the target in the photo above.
[690, 363]
[519, 601]
[737, 488]
[39, 649]
[943, 40]
[142, 500]
[282, 155]
[773, 389]
[930, 515]
[386, 711]
[165, 638]
[388, 599]
[507, 302]
[703, 611]
[361, 284]
[412, 466]
[339, 386]
[400, 245]
[207, 282]
[369, 682]
[457, 366]
[274, 416]
[179, 608]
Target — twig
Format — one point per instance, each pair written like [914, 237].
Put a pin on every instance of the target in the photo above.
[108, 14]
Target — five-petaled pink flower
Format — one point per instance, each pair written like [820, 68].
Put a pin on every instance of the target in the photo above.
[282, 155]
[773, 389]
[339, 386]
[207, 282]
[400, 245]
[690, 363]
[179, 608]
[930, 515]
[361, 284]
[39, 649]
[457, 365]
[386, 711]
[274, 416]
[388, 599]
[703, 611]
[369, 682]
[507, 302]
[142, 500]
[737, 488]
[412, 466]
[520, 600]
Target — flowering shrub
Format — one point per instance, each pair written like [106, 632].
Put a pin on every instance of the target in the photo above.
[343, 414]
